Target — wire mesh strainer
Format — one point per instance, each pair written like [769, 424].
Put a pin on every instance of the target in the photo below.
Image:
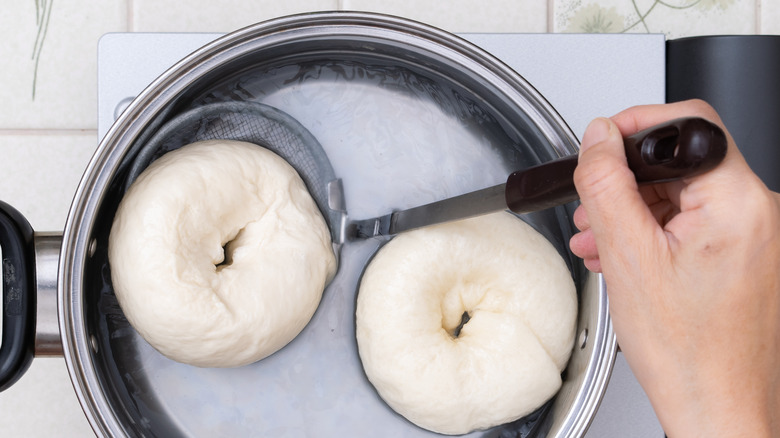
[255, 123]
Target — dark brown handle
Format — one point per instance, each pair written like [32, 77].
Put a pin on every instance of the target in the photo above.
[679, 148]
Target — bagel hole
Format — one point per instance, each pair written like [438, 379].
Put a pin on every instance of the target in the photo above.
[228, 248]
[227, 256]
[463, 320]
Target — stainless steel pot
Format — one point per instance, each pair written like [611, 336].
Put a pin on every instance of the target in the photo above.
[407, 114]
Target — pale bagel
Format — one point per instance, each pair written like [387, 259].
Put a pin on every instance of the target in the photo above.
[508, 357]
[190, 299]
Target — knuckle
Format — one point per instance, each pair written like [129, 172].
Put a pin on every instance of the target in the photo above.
[701, 108]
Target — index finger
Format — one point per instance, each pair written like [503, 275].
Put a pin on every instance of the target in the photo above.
[637, 118]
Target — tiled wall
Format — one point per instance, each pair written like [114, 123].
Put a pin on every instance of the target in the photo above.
[48, 79]
[48, 93]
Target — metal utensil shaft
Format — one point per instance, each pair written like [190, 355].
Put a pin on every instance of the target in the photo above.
[464, 206]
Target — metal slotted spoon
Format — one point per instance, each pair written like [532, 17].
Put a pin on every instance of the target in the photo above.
[260, 124]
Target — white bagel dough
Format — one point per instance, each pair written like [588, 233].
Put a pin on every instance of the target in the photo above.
[508, 358]
[196, 302]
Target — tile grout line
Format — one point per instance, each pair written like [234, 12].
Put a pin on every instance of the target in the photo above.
[758, 17]
[130, 9]
[46, 132]
[550, 16]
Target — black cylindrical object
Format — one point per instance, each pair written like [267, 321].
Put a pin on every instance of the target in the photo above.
[740, 77]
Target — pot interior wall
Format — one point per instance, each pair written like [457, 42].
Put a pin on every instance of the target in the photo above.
[401, 127]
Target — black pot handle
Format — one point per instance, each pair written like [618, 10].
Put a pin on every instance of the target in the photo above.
[18, 261]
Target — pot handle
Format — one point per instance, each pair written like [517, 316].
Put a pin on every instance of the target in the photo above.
[18, 276]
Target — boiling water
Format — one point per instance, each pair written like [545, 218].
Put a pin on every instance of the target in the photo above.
[396, 139]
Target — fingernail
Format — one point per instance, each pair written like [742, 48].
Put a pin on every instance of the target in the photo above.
[597, 131]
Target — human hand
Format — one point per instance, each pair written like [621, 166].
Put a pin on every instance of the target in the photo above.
[692, 269]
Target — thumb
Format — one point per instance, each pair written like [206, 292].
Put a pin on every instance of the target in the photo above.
[619, 218]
